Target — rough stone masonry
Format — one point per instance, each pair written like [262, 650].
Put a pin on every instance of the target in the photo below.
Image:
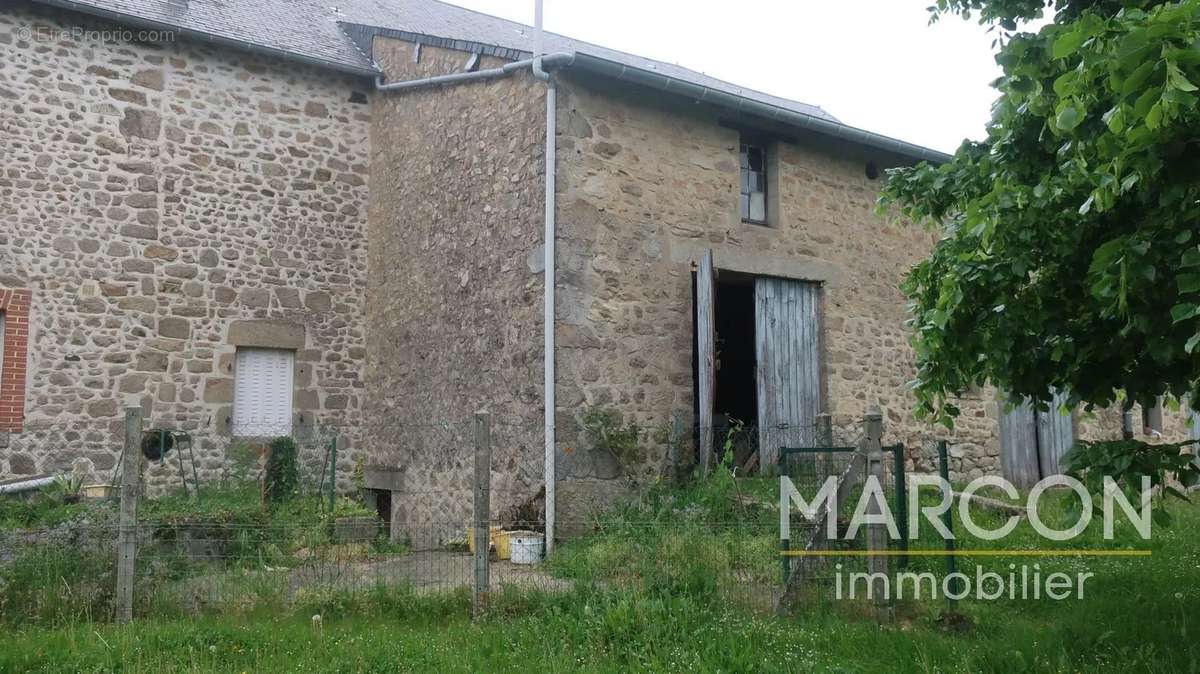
[165, 204]
[162, 204]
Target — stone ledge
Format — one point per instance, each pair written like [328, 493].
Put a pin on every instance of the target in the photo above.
[267, 333]
[383, 477]
[760, 263]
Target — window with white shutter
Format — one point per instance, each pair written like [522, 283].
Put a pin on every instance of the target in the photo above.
[262, 394]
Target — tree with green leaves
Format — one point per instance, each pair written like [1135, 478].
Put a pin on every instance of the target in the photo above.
[1070, 255]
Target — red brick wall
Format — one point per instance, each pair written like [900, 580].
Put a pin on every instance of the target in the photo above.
[14, 304]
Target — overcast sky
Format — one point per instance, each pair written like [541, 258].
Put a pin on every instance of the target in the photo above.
[874, 64]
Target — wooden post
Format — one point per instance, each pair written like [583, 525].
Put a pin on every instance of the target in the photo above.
[333, 473]
[877, 534]
[131, 478]
[481, 528]
[824, 463]
[824, 430]
[706, 347]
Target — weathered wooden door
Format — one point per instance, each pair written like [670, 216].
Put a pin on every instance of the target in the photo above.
[1018, 444]
[1056, 435]
[1033, 443]
[706, 354]
[787, 349]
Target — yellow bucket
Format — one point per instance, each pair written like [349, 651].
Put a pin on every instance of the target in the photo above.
[493, 536]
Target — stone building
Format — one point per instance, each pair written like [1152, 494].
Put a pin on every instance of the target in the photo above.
[174, 211]
[288, 181]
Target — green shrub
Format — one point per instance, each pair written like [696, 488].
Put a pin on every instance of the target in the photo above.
[40, 511]
[282, 479]
[241, 462]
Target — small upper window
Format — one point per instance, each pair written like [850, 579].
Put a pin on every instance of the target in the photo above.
[754, 183]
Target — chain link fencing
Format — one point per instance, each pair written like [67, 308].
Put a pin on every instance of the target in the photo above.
[400, 513]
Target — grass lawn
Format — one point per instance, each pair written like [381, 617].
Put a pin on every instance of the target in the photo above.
[1138, 614]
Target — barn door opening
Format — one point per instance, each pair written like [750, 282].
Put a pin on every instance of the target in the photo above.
[788, 355]
[735, 411]
[1032, 443]
[757, 366]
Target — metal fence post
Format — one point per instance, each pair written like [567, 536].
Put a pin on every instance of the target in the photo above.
[877, 564]
[901, 512]
[481, 528]
[131, 464]
[948, 520]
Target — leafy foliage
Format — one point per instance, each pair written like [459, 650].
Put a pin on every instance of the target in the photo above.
[67, 487]
[241, 462]
[604, 428]
[1127, 462]
[1071, 248]
[281, 479]
[38, 511]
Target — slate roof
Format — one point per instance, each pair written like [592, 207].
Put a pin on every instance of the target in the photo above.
[336, 34]
[310, 29]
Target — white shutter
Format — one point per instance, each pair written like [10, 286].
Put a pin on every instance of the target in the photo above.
[262, 395]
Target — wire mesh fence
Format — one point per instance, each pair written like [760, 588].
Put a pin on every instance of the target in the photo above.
[399, 512]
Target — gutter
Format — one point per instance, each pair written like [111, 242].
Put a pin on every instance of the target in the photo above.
[551, 60]
[204, 36]
[824, 127]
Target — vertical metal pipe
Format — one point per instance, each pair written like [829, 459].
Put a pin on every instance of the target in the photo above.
[548, 318]
[549, 473]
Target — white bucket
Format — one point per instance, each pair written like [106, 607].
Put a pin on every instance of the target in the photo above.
[527, 547]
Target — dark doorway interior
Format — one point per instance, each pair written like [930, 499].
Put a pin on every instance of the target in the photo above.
[737, 389]
[383, 508]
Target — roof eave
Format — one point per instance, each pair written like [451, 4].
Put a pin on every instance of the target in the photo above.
[151, 24]
[742, 105]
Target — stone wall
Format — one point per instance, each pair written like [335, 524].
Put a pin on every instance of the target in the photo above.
[153, 196]
[645, 187]
[454, 308]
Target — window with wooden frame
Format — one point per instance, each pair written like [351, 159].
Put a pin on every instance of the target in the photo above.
[753, 157]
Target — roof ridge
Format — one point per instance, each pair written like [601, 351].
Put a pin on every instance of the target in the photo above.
[646, 58]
